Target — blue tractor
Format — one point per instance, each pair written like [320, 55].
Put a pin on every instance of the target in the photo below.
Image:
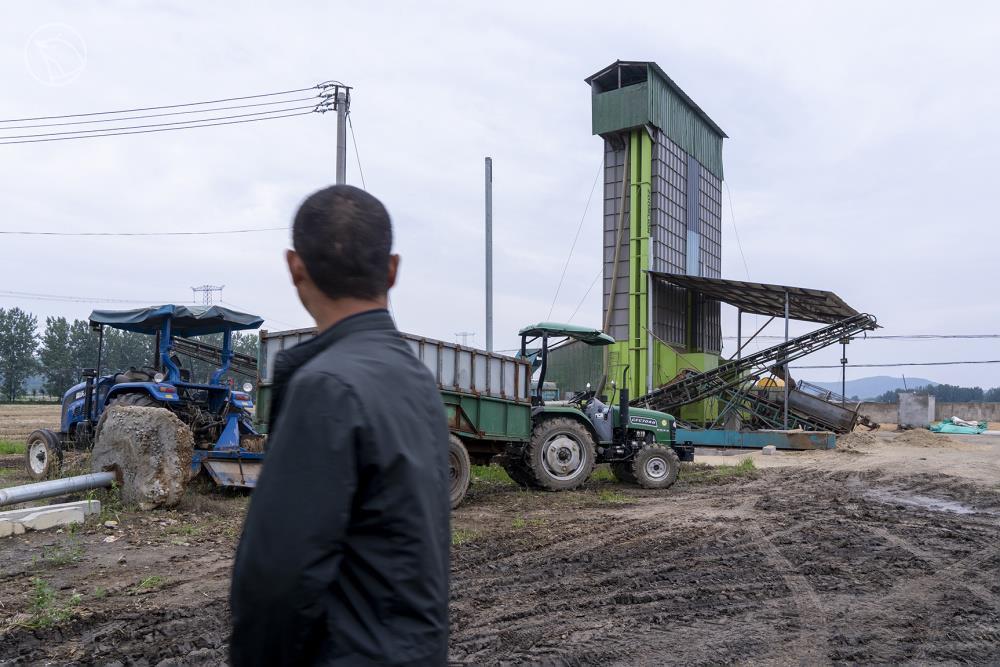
[227, 446]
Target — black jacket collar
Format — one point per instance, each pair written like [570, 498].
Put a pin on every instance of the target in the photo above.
[294, 358]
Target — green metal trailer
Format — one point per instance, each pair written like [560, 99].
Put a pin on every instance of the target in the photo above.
[486, 397]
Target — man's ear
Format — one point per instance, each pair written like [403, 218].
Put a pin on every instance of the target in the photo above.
[296, 267]
[393, 271]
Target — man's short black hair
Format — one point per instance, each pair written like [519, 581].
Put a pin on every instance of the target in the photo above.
[344, 236]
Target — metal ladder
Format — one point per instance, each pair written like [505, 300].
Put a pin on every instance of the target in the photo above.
[212, 354]
[730, 376]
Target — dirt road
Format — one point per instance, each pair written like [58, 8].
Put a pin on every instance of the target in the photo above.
[790, 565]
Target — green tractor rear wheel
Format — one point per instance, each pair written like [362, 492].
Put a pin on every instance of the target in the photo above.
[561, 454]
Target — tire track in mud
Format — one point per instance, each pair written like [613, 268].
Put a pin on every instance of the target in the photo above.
[811, 644]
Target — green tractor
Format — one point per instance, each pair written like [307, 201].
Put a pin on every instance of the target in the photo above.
[569, 437]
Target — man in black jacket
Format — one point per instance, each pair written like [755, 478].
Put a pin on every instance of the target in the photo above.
[344, 554]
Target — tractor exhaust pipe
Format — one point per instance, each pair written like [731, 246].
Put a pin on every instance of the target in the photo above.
[623, 403]
[55, 487]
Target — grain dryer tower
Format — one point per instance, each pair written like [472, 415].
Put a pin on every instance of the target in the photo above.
[662, 214]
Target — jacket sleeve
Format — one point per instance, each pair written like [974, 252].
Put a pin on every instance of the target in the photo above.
[292, 542]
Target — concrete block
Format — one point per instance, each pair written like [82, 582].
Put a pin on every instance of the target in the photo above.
[6, 528]
[89, 507]
[768, 450]
[915, 410]
[50, 518]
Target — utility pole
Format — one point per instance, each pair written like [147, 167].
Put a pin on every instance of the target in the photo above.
[489, 254]
[843, 370]
[207, 293]
[342, 108]
[465, 336]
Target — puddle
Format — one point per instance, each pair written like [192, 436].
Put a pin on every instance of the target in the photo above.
[924, 502]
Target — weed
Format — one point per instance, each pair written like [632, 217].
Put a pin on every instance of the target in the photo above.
[518, 523]
[58, 555]
[185, 529]
[603, 474]
[45, 609]
[100, 593]
[149, 584]
[492, 475]
[461, 536]
[9, 447]
[697, 473]
[613, 497]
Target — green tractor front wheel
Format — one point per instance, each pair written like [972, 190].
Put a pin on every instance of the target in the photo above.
[655, 467]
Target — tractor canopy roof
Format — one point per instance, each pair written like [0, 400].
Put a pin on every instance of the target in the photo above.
[584, 334]
[185, 321]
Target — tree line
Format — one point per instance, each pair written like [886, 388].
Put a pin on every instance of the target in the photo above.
[948, 393]
[65, 347]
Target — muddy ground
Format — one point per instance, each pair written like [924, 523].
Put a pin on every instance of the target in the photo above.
[801, 564]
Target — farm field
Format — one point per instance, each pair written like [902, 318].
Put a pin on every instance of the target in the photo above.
[817, 558]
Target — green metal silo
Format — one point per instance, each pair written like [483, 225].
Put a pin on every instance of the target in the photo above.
[663, 200]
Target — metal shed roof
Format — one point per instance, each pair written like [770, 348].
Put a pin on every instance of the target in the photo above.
[670, 84]
[808, 305]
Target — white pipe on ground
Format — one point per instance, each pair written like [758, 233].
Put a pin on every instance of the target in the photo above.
[55, 487]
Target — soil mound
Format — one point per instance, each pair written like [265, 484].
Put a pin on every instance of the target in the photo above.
[853, 442]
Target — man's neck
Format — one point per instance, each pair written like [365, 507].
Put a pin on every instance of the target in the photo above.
[330, 312]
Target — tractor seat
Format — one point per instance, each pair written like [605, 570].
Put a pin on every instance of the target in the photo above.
[133, 375]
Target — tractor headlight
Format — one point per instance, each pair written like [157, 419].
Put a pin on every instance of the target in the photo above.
[158, 377]
[247, 387]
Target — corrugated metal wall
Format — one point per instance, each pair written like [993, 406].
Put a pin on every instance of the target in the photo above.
[669, 112]
[614, 168]
[667, 208]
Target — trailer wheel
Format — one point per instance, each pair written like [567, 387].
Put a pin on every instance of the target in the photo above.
[43, 456]
[560, 454]
[623, 471]
[655, 467]
[459, 470]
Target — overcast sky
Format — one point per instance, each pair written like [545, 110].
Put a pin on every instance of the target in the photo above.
[862, 154]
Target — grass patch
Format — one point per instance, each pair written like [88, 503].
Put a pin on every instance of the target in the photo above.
[100, 593]
[149, 584]
[603, 474]
[613, 497]
[10, 447]
[518, 523]
[492, 475]
[461, 536]
[59, 555]
[699, 472]
[46, 609]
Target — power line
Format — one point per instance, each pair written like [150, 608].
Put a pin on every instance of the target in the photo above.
[357, 156]
[586, 294]
[732, 218]
[36, 296]
[915, 363]
[903, 337]
[165, 129]
[168, 106]
[203, 233]
[160, 115]
[579, 228]
[263, 114]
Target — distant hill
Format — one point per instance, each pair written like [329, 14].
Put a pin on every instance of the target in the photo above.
[871, 387]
